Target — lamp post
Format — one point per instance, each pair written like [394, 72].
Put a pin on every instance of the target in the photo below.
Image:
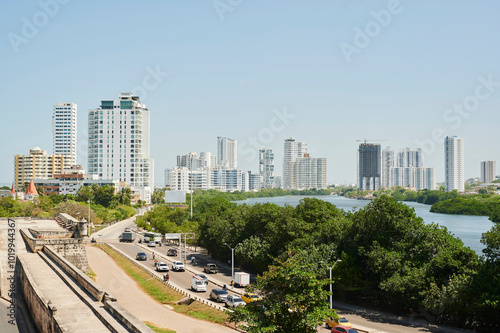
[232, 260]
[192, 191]
[331, 292]
[88, 233]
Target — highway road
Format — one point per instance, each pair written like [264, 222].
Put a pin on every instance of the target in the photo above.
[364, 320]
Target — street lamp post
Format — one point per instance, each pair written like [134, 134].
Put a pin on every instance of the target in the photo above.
[232, 261]
[331, 292]
[88, 233]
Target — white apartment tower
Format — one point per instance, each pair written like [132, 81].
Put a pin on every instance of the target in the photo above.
[454, 163]
[64, 130]
[387, 164]
[227, 153]
[119, 141]
[487, 171]
[293, 150]
[266, 167]
[410, 158]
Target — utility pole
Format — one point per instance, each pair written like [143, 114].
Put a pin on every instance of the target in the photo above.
[232, 260]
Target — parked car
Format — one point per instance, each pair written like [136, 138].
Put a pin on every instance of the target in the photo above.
[248, 297]
[152, 244]
[203, 277]
[172, 252]
[178, 266]
[233, 301]
[141, 256]
[343, 329]
[218, 295]
[211, 268]
[161, 267]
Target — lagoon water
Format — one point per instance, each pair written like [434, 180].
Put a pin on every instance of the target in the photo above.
[467, 228]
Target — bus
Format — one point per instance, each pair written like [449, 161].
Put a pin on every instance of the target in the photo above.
[152, 237]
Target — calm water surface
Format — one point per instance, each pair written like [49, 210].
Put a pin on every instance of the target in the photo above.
[467, 228]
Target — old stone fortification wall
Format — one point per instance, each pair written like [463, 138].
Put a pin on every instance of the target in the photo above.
[73, 249]
[52, 234]
[44, 314]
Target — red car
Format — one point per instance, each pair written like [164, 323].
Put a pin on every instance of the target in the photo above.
[343, 329]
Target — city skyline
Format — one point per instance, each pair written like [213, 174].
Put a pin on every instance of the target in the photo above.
[310, 71]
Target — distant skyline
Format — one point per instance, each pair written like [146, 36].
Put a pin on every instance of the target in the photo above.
[326, 72]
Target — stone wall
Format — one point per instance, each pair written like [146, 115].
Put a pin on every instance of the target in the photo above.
[73, 249]
[50, 233]
[44, 314]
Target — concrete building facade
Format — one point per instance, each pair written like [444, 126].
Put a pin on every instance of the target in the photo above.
[266, 167]
[387, 164]
[64, 130]
[308, 173]
[454, 163]
[227, 153]
[119, 142]
[488, 171]
[292, 150]
[369, 167]
[38, 165]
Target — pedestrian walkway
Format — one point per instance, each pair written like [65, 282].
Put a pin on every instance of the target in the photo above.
[113, 279]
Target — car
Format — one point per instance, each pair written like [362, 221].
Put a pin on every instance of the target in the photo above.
[233, 301]
[161, 267]
[343, 329]
[141, 256]
[127, 230]
[341, 322]
[178, 266]
[218, 295]
[211, 268]
[152, 244]
[248, 297]
[203, 277]
[172, 252]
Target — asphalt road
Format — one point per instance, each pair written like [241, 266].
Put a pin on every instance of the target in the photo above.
[364, 320]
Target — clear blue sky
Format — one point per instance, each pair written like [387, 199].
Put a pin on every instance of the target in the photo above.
[228, 77]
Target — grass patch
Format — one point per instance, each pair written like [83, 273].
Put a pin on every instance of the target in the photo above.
[158, 329]
[162, 293]
[91, 274]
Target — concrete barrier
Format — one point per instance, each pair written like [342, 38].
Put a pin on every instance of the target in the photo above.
[88, 284]
[126, 318]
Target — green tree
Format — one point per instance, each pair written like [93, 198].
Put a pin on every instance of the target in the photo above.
[293, 300]
[124, 196]
[158, 197]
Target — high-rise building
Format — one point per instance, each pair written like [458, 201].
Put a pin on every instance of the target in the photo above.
[387, 163]
[293, 150]
[488, 171]
[64, 130]
[454, 163]
[119, 141]
[266, 167]
[412, 177]
[369, 167]
[410, 158]
[38, 165]
[227, 153]
[308, 173]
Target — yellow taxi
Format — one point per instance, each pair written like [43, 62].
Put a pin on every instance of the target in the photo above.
[248, 297]
[330, 323]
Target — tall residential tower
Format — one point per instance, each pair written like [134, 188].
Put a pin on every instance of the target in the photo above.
[266, 167]
[119, 141]
[454, 163]
[487, 171]
[369, 167]
[227, 153]
[293, 150]
[64, 130]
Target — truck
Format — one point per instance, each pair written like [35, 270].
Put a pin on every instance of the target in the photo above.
[198, 284]
[241, 279]
[127, 237]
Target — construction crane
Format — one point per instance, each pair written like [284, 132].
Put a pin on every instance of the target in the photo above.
[366, 140]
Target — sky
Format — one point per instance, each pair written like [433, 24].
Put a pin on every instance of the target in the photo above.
[329, 73]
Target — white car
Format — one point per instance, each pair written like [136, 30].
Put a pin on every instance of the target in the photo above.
[162, 267]
[152, 244]
[178, 266]
[233, 301]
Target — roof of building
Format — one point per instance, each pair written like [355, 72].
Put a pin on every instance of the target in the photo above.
[31, 189]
